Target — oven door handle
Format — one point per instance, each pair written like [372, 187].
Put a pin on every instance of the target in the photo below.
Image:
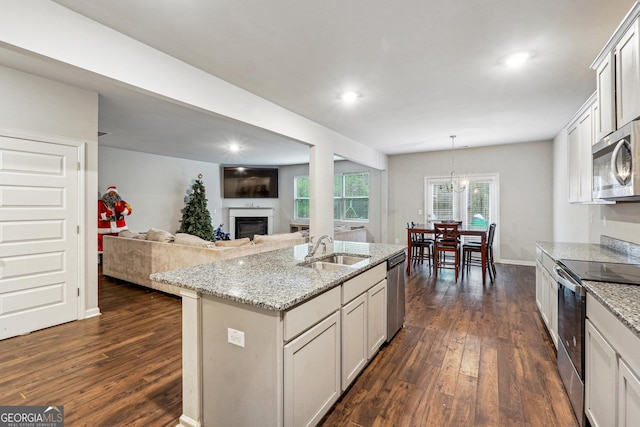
[566, 281]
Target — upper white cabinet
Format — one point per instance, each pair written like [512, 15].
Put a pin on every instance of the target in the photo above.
[627, 76]
[580, 138]
[604, 118]
[618, 77]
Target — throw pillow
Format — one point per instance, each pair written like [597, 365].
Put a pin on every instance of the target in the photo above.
[233, 243]
[191, 240]
[132, 235]
[156, 235]
[257, 239]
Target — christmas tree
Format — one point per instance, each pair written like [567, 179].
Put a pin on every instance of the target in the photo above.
[196, 219]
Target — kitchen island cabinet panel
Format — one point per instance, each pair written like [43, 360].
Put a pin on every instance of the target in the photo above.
[241, 385]
[312, 373]
[377, 320]
[354, 339]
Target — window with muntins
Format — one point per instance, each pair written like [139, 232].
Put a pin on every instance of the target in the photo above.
[350, 197]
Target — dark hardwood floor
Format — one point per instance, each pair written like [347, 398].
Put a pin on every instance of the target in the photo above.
[469, 355]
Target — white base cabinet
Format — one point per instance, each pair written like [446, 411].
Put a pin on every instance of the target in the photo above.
[612, 385]
[364, 321]
[312, 373]
[600, 368]
[629, 393]
[547, 293]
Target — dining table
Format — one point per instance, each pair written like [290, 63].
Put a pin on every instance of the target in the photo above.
[465, 231]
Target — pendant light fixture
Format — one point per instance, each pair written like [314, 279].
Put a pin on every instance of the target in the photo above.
[455, 184]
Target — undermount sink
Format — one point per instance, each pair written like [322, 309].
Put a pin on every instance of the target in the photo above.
[344, 259]
[335, 262]
[320, 265]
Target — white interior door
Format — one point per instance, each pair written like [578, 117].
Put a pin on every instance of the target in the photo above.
[38, 235]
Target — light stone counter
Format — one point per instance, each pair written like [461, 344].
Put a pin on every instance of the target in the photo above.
[621, 300]
[274, 280]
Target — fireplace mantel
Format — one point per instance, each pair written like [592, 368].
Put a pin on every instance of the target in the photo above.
[249, 212]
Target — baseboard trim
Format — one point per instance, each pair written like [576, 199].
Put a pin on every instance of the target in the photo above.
[517, 262]
[92, 313]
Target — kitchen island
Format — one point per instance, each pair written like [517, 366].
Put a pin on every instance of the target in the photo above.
[270, 342]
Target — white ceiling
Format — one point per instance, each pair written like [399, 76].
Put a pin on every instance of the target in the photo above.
[426, 69]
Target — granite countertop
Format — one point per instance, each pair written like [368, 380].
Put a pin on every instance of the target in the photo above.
[620, 299]
[274, 280]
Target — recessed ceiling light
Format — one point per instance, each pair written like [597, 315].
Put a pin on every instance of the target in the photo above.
[349, 96]
[517, 59]
[233, 147]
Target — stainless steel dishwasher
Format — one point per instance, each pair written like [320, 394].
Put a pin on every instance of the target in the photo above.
[395, 294]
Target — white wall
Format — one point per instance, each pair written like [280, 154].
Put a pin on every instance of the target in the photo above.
[156, 186]
[525, 171]
[34, 107]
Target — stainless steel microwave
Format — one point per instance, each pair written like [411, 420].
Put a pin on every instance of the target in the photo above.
[616, 165]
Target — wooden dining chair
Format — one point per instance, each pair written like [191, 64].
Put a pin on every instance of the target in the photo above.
[471, 254]
[421, 248]
[446, 248]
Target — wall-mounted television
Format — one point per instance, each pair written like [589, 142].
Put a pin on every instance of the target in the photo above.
[249, 182]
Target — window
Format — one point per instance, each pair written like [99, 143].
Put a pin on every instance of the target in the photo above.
[301, 197]
[476, 206]
[350, 197]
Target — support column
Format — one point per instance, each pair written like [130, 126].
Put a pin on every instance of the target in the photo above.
[191, 359]
[321, 191]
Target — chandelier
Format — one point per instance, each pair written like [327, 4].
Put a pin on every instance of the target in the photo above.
[455, 184]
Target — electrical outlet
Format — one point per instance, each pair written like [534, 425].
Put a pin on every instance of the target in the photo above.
[235, 337]
[419, 211]
[604, 221]
[397, 241]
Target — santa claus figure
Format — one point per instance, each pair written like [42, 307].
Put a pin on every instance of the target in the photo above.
[112, 211]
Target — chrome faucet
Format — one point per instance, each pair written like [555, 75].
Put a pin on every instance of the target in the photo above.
[313, 248]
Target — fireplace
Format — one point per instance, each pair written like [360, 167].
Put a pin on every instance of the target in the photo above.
[253, 221]
[249, 226]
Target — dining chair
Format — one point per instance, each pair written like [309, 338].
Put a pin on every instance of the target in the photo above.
[446, 248]
[421, 248]
[471, 254]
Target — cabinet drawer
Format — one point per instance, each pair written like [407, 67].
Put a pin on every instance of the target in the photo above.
[311, 312]
[360, 284]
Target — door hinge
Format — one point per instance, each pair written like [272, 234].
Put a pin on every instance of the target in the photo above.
[79, 165]
[78, 229]
[78, 291]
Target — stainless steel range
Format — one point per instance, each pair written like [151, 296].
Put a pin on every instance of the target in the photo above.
[572, 312]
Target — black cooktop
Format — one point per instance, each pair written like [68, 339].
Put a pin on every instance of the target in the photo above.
[598, 271]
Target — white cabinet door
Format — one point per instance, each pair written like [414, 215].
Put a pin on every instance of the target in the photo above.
[573, 162]
[627, 78]
[600, 375]
[377, 317]
[605, 117]
[545, 297]
[552, 315]
[585, 168]
[539, 284]
[354, 339]
[312, 373]
[628, 396]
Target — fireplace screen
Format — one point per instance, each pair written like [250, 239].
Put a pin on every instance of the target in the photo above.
[250, 226]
